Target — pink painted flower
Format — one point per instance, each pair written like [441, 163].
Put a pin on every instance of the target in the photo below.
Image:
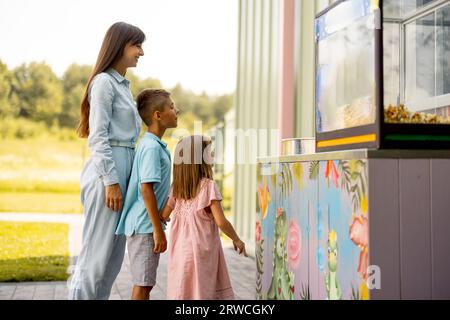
[359, 234]
[294, 244]
[359, 231]
[258, 231]
[363, 264]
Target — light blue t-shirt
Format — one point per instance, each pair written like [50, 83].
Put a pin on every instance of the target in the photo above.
[152, 163]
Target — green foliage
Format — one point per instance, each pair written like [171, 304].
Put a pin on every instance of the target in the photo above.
[286, 182]
[355, 294]
[259, 269]
[74, 83]
[305, 293]
[314, 167]
[354, 180]
[209, 110]
[282, 284]
[358, 189]
[38, 92]
[345, 174]
[6, 108]
[33, 92]
[137, 85]
[22, 128]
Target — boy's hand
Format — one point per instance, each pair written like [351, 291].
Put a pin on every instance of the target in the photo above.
[240, 247]
[160, 241]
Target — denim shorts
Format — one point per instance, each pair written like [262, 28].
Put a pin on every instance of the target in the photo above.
[143, 261]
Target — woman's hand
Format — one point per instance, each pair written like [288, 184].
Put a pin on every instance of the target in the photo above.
[114, 197]
[240, 247]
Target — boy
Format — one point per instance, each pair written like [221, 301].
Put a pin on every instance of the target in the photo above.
[147, 191]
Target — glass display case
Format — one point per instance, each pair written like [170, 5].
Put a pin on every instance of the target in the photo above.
[383, 75]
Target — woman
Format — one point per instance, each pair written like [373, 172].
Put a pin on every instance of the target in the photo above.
[110, 121]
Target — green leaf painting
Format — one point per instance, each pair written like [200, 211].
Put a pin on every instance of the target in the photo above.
[314, 170]
[297, 170]
[259, 269]
[285, 180]
[353, 175]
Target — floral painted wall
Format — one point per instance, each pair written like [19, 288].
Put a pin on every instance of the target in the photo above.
[312, 230]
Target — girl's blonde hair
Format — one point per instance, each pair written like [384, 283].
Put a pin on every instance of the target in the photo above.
[190, 166]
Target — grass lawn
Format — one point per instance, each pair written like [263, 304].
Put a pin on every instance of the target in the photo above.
[41, 175]
[33, 251]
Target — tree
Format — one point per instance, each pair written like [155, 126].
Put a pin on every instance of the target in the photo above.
[181, 98]
[37, 92]
[202, 108]
[221, 105]
[137, 85]
[74, 83]
[209, 110]
[187, 120]
[6, 108]
[34, 92]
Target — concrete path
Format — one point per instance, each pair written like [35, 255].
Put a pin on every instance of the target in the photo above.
[242, 270]
[242, 273]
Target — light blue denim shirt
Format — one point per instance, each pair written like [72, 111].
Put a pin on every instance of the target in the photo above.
[113, 118]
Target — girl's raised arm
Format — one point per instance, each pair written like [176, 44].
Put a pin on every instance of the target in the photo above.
[226, 226]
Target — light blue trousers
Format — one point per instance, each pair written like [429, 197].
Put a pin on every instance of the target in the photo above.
[102, 250]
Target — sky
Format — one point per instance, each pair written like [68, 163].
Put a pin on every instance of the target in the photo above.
[191, 42]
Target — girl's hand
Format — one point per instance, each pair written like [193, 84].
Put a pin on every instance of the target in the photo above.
[162, 218]
[163, 221]
[164, 214]
[113, 197]
[240, 247]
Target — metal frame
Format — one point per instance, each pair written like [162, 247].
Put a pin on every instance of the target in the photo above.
[432, 7]
[360, 154]
[423, 11]
[389, 135]
[361, 130]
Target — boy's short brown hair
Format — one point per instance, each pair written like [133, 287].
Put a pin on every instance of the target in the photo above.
[151, 100]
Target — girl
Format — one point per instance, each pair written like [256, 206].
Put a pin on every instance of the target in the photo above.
[196, 263]
[110, 121]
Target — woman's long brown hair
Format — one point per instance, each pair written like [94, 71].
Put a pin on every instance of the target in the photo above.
[188, 171]
[116, 38]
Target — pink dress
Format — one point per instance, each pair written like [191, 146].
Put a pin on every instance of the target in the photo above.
[196, 263]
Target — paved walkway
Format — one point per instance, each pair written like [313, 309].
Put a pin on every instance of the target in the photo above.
[242, 270]
[242, 273]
